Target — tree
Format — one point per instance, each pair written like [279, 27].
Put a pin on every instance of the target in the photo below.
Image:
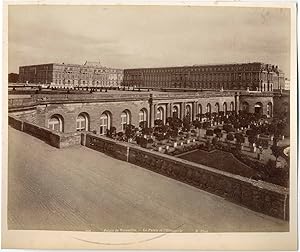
[174, 122]
[209, 132]
[111, 133]
[206, 125]
[158, 122]
[230, 137]
[120, 135]
[218, 132]
[186, 123]
[147, 131]
[197, 124]
[215, 141]
[143, 124]
[129, 131]
[228, 128]
[276, 151]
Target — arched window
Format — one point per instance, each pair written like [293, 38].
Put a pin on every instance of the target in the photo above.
[200, 109]
[269, 109]
[188, 109]
[143, 115]
[217, 108]
[225, 108]
[245, 106]
[208, 108]
[105, 122]
[258, 108]
[125, 118]
[175, 111]
[56, 123]
[82, 122]
[160, 114]
[231, 106]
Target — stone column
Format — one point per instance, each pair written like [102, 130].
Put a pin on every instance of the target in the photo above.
[195, 108]
[182, 110]
[167, 110]
[237, 102]
[154, 112]
[150, 117]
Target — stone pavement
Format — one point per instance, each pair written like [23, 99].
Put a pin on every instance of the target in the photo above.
[80, 189]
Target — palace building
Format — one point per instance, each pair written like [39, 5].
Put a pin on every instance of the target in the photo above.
[90, 74]
[247, 76]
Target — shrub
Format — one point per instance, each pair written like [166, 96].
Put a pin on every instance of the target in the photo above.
[215, 141]
[150, 141]
[209, 132]
[158, 122]
[240, 138]
[228, 127]
[143, 124]
[217, 131]
[206, 125]
[230, 137]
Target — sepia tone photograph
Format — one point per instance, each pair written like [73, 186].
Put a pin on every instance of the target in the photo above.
[149, 119]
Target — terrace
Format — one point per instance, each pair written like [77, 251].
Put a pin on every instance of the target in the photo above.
[80, 189]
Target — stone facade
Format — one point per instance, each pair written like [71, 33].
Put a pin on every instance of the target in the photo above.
[252, 76]
[71, 75]
[136, 106]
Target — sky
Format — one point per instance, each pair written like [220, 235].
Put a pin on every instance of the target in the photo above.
[147, 36]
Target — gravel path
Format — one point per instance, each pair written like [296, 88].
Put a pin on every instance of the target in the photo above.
[83, 190]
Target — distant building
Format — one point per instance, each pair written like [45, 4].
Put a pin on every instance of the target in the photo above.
[252, 76]
[286, 84]
[13, 78]
[91, 74]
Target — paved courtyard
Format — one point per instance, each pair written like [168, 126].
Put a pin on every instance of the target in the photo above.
[83, 190]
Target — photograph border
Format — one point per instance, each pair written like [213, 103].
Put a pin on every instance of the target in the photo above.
[105, 240]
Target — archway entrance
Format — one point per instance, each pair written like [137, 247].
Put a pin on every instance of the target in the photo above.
[258, 108]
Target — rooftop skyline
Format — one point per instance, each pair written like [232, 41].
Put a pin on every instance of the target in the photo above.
[120, 36]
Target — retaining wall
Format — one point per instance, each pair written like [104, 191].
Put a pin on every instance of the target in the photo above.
[259, 196]
[56, 139]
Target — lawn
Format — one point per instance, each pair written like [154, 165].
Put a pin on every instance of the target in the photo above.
[220, 160]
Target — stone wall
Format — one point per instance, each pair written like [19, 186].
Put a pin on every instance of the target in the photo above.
[69, 106]
[70, 111]
[15, 123]
[252, 100]
[28, 115]
[107, 146]
[41, 133]
[67, 140]
[257, 195]
[55, 139]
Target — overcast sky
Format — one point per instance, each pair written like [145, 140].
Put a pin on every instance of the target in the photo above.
[128, 37]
